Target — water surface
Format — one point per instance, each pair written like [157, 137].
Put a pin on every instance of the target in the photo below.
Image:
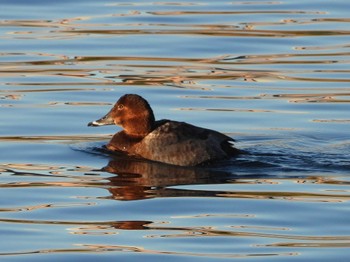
[274, 75]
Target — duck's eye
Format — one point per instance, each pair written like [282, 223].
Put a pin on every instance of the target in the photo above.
[120, 107]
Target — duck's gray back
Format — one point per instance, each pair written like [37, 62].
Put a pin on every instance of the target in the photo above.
[182, 144]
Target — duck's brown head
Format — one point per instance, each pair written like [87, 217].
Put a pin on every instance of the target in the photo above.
[133, 113]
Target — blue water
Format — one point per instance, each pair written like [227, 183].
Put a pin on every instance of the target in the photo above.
[273, 75]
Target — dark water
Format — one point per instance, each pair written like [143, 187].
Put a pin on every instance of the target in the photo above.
[274, 75]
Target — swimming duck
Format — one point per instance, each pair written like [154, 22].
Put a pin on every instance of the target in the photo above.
[167, 141]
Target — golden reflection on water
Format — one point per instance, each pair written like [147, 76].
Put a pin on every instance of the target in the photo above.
[138, 179]
[179, 72]
[86, 248]
[71, 28]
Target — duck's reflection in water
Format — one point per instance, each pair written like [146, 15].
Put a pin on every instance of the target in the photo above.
[137, 179]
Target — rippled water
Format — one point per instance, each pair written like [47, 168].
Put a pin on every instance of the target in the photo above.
[272, 74]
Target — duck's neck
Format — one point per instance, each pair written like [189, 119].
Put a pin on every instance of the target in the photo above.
[139, 127]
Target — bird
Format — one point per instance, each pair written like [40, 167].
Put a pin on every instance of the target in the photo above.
[167, 141]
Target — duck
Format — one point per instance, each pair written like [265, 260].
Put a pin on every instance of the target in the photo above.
[167, 141]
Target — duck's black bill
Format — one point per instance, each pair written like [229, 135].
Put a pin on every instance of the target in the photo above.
[106, 120]
[94, 123]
